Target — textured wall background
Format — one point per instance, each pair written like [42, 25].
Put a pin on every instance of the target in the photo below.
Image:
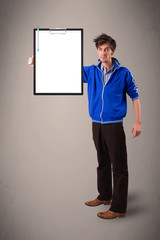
[47, 157]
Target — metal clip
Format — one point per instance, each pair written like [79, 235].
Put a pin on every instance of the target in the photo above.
[58, 31]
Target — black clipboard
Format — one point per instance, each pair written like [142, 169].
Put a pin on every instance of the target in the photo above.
[58, 61]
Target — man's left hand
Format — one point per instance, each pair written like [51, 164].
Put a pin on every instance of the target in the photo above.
[137, 129]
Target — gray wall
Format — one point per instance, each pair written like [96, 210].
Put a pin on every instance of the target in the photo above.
[47, 156]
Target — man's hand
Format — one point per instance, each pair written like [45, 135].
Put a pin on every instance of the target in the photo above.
[137, 129]
[31, 61]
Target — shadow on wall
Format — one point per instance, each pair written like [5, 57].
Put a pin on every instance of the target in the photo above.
[135, 206]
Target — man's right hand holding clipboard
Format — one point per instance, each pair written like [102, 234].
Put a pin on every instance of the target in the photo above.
[31, 61]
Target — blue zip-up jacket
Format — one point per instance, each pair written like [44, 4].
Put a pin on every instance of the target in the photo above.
[107, 102]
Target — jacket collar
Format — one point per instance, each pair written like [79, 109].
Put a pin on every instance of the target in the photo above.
[116, 64]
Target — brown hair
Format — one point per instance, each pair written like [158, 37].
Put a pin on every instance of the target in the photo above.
[104, 38]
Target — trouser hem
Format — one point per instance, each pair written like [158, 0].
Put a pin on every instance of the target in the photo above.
[117, 210]
[104, 199]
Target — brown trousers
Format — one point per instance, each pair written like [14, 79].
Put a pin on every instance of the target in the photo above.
[110, 143]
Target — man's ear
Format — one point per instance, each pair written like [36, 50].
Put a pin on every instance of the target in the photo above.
[112, 52]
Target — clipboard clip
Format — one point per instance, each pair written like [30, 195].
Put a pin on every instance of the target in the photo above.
[58, 31]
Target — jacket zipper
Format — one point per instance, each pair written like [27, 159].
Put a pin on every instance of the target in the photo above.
[103, 91]
[102, 101]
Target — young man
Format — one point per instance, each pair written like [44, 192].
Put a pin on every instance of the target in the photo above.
[108, 83]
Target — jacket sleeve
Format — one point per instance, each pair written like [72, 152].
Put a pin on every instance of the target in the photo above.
[131, 86]
[85, 74]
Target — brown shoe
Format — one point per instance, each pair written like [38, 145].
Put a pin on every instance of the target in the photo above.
[110, 215]
[97, 202]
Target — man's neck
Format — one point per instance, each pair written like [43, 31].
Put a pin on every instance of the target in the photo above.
[108, 65]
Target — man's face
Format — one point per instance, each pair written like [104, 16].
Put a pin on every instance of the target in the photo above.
[104, 52]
